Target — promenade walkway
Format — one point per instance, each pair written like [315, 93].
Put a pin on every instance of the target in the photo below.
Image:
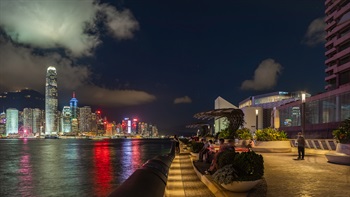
[183, 180]
[284, 177]
[314, 176]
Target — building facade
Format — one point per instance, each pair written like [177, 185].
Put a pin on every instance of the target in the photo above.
[38, 121]
[324, 112]
[85, 119]
[337, 44]
[221, 123]
[28, 120]
[2, 123]
[51, 101]
[11, 121]
[66, 120]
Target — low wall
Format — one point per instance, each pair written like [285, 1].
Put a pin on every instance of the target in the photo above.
[320, 144]
[149, 180]
[272, 146]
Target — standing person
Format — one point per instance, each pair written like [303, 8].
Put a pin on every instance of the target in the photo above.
[177, 144]
[301, 146]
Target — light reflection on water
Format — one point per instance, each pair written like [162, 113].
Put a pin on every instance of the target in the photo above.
[70, 167]
[25, 172]
[102, 169]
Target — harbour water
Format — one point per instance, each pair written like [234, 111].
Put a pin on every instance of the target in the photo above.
[72, 167]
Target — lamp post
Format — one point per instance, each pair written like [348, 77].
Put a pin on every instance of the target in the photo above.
[303, 113]
[256, 119]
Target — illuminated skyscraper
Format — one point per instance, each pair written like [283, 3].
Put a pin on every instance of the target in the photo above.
[66, 119]
[74, 107]
[93, 122]
[134, 125]
[28, 119]
[2, 123]
[51, 101]
[85, 119]
[37, 121]
[11, 121]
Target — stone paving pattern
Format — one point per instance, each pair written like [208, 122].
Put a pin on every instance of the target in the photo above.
[183, 181]
[314, 176]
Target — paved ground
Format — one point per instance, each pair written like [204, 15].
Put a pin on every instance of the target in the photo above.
[284, 177]
[314, 176]
[183, 181]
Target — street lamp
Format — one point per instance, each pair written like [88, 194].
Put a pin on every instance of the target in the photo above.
[256, 119]
[303, 113]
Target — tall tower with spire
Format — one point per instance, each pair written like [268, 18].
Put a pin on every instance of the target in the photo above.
[74, 107]
[74, 114]
[51, 101]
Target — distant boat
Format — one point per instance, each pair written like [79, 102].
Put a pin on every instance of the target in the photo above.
[51, 137]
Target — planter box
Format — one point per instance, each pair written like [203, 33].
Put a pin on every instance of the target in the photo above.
[343, 148]
[240, 186]
[341, 154]
[272, 146]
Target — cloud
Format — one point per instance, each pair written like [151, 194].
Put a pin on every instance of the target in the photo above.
[184, 99]
[32, 27]
[315, 32]
[71, 25]
[265, 76]
[20, 67]
[122, 24]
[107, 97]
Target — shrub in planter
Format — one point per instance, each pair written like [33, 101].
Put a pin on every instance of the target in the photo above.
[246, 166]
[196, 147]
[244, 134]
[270, 134]
[225, 158]
[342, 134]
[225, 133]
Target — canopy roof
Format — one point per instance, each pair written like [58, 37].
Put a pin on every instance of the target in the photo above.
[197, 125]
[234, 116]
[220, 113]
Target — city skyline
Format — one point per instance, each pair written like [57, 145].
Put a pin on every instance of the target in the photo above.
[30, 122]
[164, 61]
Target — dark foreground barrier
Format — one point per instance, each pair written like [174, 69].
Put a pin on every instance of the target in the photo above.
[149, 180]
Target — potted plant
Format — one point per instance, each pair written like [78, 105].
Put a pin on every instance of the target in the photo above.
[342, 134]
[342, 152]
[239, 172]
[271, 140]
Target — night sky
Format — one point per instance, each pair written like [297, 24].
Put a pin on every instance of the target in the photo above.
[162, 61]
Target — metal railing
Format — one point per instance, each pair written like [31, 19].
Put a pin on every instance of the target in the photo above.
[319, 144]
[149, 180]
